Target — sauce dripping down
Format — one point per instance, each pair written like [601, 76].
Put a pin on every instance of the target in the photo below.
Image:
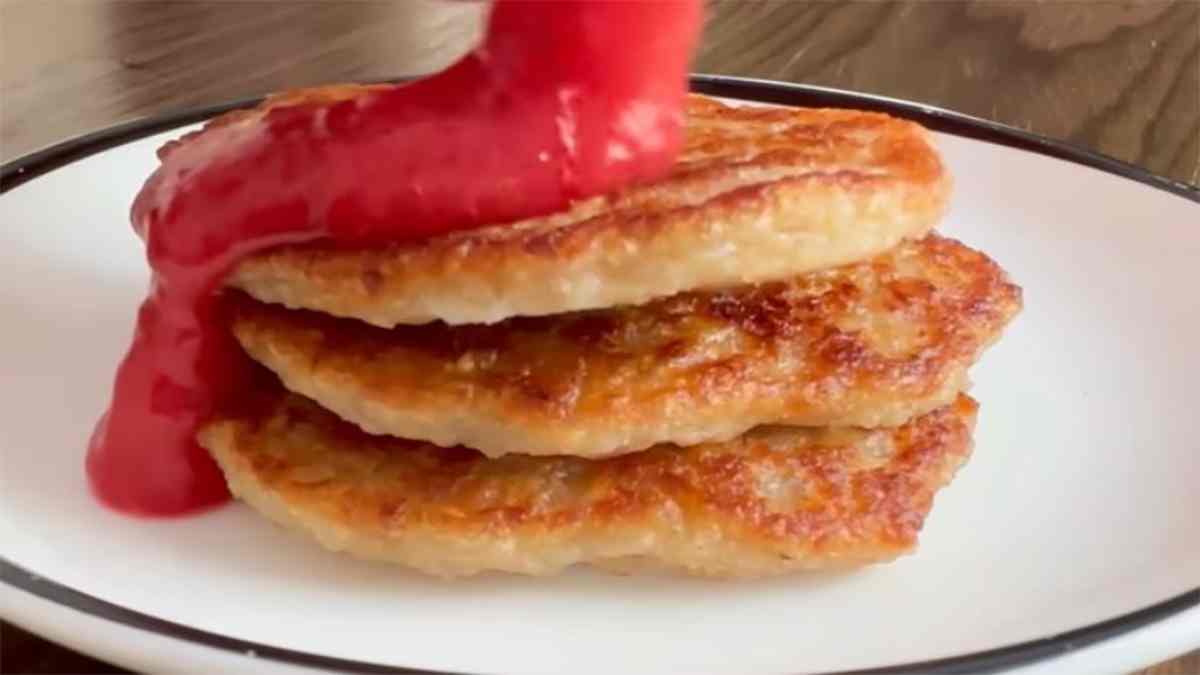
[562, 100]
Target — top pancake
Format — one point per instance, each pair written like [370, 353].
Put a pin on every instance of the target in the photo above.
[757, 194]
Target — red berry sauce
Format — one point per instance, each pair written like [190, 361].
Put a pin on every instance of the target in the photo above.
[562, 100]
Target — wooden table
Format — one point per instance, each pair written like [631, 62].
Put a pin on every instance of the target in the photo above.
[1122, 78]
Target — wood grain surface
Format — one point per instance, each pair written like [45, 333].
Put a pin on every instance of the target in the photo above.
[1120, 77]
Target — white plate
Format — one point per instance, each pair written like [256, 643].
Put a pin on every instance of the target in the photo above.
[1074, 529]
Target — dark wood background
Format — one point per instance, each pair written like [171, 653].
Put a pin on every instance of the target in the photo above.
[1118, 76]
[1121, 77]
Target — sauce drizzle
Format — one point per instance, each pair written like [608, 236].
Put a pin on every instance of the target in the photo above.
[562, 100]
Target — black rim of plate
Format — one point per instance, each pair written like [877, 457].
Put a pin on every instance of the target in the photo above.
[44, 161]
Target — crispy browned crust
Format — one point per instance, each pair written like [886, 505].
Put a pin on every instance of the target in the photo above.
[758, 194]
[774, 501]
[868, 344]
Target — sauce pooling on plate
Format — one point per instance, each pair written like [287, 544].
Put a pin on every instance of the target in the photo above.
[562, 100]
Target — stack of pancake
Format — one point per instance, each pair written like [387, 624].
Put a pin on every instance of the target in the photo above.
[753, 366]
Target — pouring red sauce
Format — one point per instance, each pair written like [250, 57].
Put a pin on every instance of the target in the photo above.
[562, 100]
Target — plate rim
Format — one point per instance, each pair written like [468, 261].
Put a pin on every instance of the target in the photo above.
[58, 155]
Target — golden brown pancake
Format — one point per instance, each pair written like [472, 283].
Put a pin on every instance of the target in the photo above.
[773, 501]
[758, 194]
[869, 344]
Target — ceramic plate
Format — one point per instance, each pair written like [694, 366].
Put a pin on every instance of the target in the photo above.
[1070, 542]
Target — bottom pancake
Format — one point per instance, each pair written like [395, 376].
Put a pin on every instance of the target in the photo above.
[772, 501]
